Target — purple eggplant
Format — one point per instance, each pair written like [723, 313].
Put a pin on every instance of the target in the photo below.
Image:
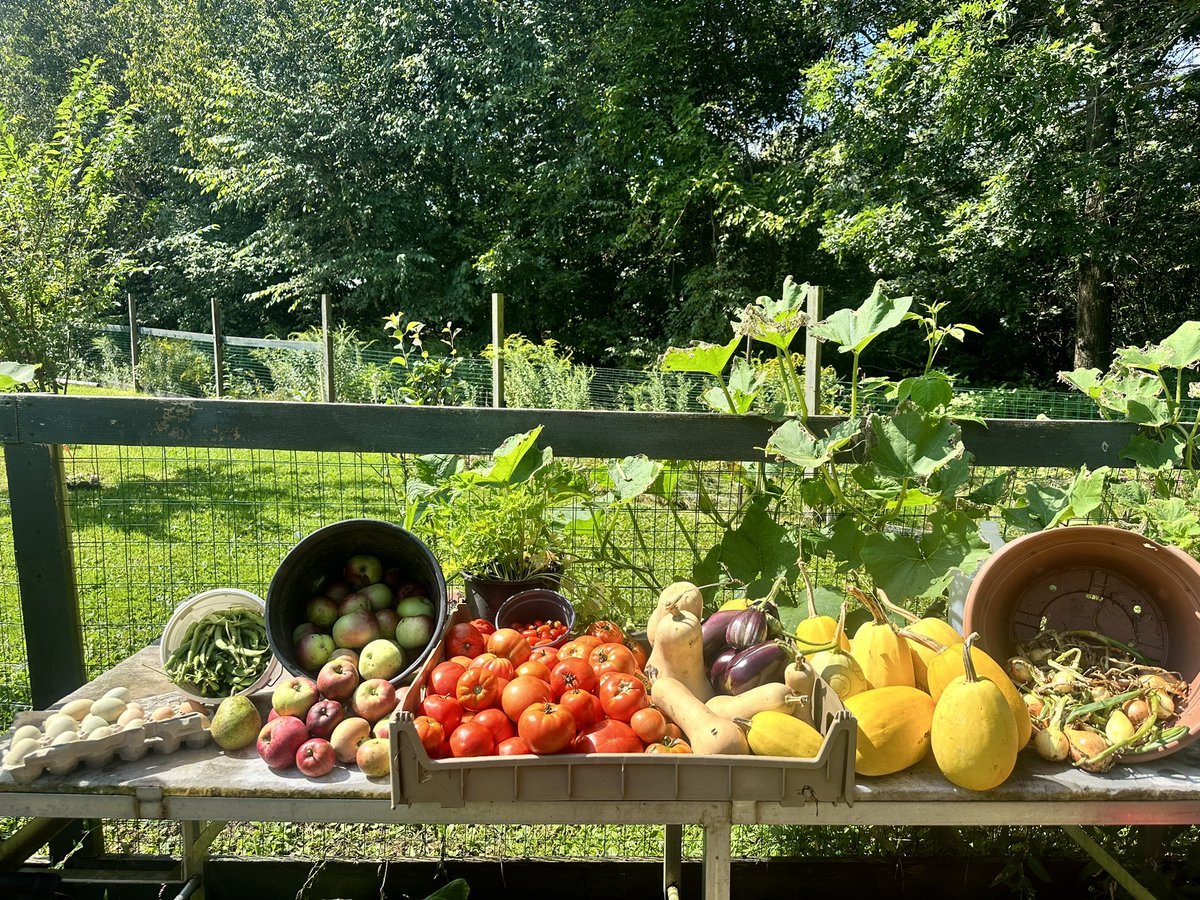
[713, 632]
[760, 664]
[720, 665]
[747, 628]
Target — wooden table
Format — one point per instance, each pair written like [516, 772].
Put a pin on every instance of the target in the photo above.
[199, 787]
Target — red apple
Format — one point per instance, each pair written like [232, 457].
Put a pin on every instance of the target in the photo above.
[354, 603]
[374, 699]
[355, 630]
[374, 758]
[363, 569]
[315, 757]
[347, 737]
[279, 740]
[337, 679]
[337, 589]
[295, 696]
[323, 718]
[387, 619]
[345, 653]
[410, 589]
[382, 729]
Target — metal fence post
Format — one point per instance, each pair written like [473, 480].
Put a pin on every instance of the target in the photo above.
[218, 348]
[497, 350]
[327, 337]
[133, 341]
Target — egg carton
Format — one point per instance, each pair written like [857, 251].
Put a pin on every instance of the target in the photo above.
[129, 744]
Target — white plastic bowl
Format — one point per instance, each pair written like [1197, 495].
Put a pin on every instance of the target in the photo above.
[196, 608]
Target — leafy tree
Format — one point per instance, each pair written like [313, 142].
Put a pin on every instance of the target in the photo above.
[1037, 163]
[57, 201]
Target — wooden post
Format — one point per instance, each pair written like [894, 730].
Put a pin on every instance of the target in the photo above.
[218, 348]
[497, 350]
[812, 352]
[133, 341]
[327, 337]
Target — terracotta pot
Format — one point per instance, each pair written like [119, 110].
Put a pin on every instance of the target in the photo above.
[485, 595]
[1096, 578]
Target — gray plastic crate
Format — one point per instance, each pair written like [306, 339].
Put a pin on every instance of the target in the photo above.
[660, 778]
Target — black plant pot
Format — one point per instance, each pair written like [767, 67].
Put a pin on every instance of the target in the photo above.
[486, 595]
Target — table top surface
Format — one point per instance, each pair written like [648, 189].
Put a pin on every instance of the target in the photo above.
[208, 782]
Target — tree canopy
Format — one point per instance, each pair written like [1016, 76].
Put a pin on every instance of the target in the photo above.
[628, 172]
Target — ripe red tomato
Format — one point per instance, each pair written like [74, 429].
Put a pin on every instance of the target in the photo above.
[639, 652]
[546, 727]
[445, 709]
[621, 697]
[509, 643]
[471, 739]
[571, 672]
[514, 746]
[477, 689]
[501, 667]
[584, 707]
[607, 736]
[546, 655]
[611, 658]
[444, 676]
[430, 733]
[535, 668]
[521, 693]
[483, 626]
[581, 646]
[464, 639]
[495, 721]
[482, 658]
[464, 661]
[605, 630]
[649, 724]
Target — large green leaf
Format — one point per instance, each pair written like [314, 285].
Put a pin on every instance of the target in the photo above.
[908, 566]
[744, 384]
[1045, 506]
[756, 552]
[776, 322]
[703, 357]
[633, 476]
[910, 444]
[513, 461]
[853, 330]
[1179, 351]
[930, 392]
[1157, 453]
[12, 374]
[797, 444]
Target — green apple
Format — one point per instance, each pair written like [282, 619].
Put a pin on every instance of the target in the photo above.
[381, 659]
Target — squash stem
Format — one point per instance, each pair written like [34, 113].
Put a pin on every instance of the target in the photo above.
[968, 662]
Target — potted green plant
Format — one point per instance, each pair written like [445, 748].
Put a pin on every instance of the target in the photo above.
[501, 522]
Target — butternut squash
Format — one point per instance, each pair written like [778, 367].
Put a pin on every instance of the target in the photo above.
[881, 653]
[775, 696]
[973, 735]
[947, 665]
[678, 651]
[679, 595]
[772, 733]
[893, 728]
[705, 730]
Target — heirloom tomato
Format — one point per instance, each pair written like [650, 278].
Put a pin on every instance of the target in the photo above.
[444, 677]
[580, 646]
[445, 709]
[548, 656]
[430, 733]
[611, 658]
[495, 721]
[501, 667]
[572, 672]
[477, 689]
[471, 739]
[584, 707]
[605, 630]
[535, 668]
[546, 727]
[649, 724]
[607, 736]
[464, 639]
[509, 643]
[514, 746]
[483, 626]
[622, 696]
[521, 693]
[669, 745]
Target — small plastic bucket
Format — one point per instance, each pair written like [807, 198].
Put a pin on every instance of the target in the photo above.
[196, 608]
[538, 603]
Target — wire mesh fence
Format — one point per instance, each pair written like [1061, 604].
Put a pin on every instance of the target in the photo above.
[178, 363]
